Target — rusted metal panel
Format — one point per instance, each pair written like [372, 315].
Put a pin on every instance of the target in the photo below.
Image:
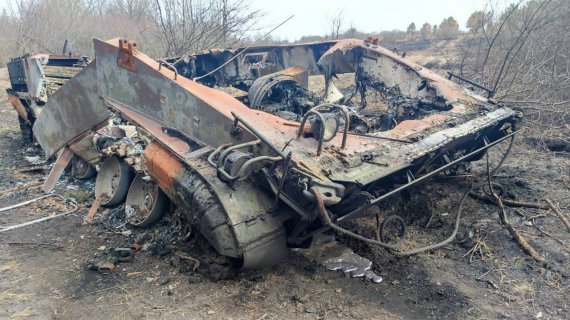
[162, 165]
[390, 67]
[72, 110]
[254, 62]
[19, 107]
[33, 67]
[57, 169]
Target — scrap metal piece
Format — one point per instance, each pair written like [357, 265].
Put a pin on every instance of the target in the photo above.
[57, 169]
[19, 107]
[335, 256]
[92, 211]
[72, 110]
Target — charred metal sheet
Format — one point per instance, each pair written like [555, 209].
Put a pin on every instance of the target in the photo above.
[253, 63]
[57, 169]
[263, 85]
[71, 111]
[387, 66]
[33, 67]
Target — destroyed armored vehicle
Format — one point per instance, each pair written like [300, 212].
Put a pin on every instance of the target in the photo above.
[33, 79]
[251, 158]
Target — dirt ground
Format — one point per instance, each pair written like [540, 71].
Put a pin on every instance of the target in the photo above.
[44, 274]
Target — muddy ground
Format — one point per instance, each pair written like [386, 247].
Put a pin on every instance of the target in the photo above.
[44, 274]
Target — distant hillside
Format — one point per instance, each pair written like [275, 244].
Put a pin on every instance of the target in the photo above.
[438, 55]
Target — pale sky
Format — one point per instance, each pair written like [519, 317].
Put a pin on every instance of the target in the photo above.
[312, 16]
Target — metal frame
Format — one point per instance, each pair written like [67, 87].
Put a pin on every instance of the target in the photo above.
[322, 119]
[375, 201]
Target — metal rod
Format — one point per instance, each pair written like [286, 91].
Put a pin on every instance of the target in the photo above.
[380, 137]
[168, 65]
[489, 91]
[424, 177]
[282, 182]
[322, 119]
[17, 226]
[321, 136]
[259, 135]
[242, 173]
[21, 204]
[225, 153]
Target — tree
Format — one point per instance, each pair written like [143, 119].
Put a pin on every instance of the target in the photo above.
[426, 31]
[336, 24]
[477, 20]
[411, 31]
[520, 54]
[448, 29]
[353, 33]
[189, 26]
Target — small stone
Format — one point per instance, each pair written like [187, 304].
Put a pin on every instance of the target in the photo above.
[102, 248]
[395, 282]
[310, 310]
[210, 312]
[164, 281]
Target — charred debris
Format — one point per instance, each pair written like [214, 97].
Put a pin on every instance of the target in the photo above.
[251, 158]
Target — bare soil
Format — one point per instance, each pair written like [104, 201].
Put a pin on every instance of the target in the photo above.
[44, 274]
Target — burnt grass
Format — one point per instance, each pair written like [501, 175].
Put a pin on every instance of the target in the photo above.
[44, 274]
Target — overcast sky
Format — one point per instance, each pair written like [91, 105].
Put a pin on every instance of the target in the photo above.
[312, 16]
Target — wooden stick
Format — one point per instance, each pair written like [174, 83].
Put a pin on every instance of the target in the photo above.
[518, 238]
[505, 220]
[510, 203]
[187, 257]
[558, 213]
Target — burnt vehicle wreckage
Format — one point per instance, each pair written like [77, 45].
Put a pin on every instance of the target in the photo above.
[254, 160]
[33, 79]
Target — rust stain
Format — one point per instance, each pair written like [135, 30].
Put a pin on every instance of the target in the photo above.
[17, 104]
[300, 74]
[409, 127]
[127, 52]
[162, 165]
